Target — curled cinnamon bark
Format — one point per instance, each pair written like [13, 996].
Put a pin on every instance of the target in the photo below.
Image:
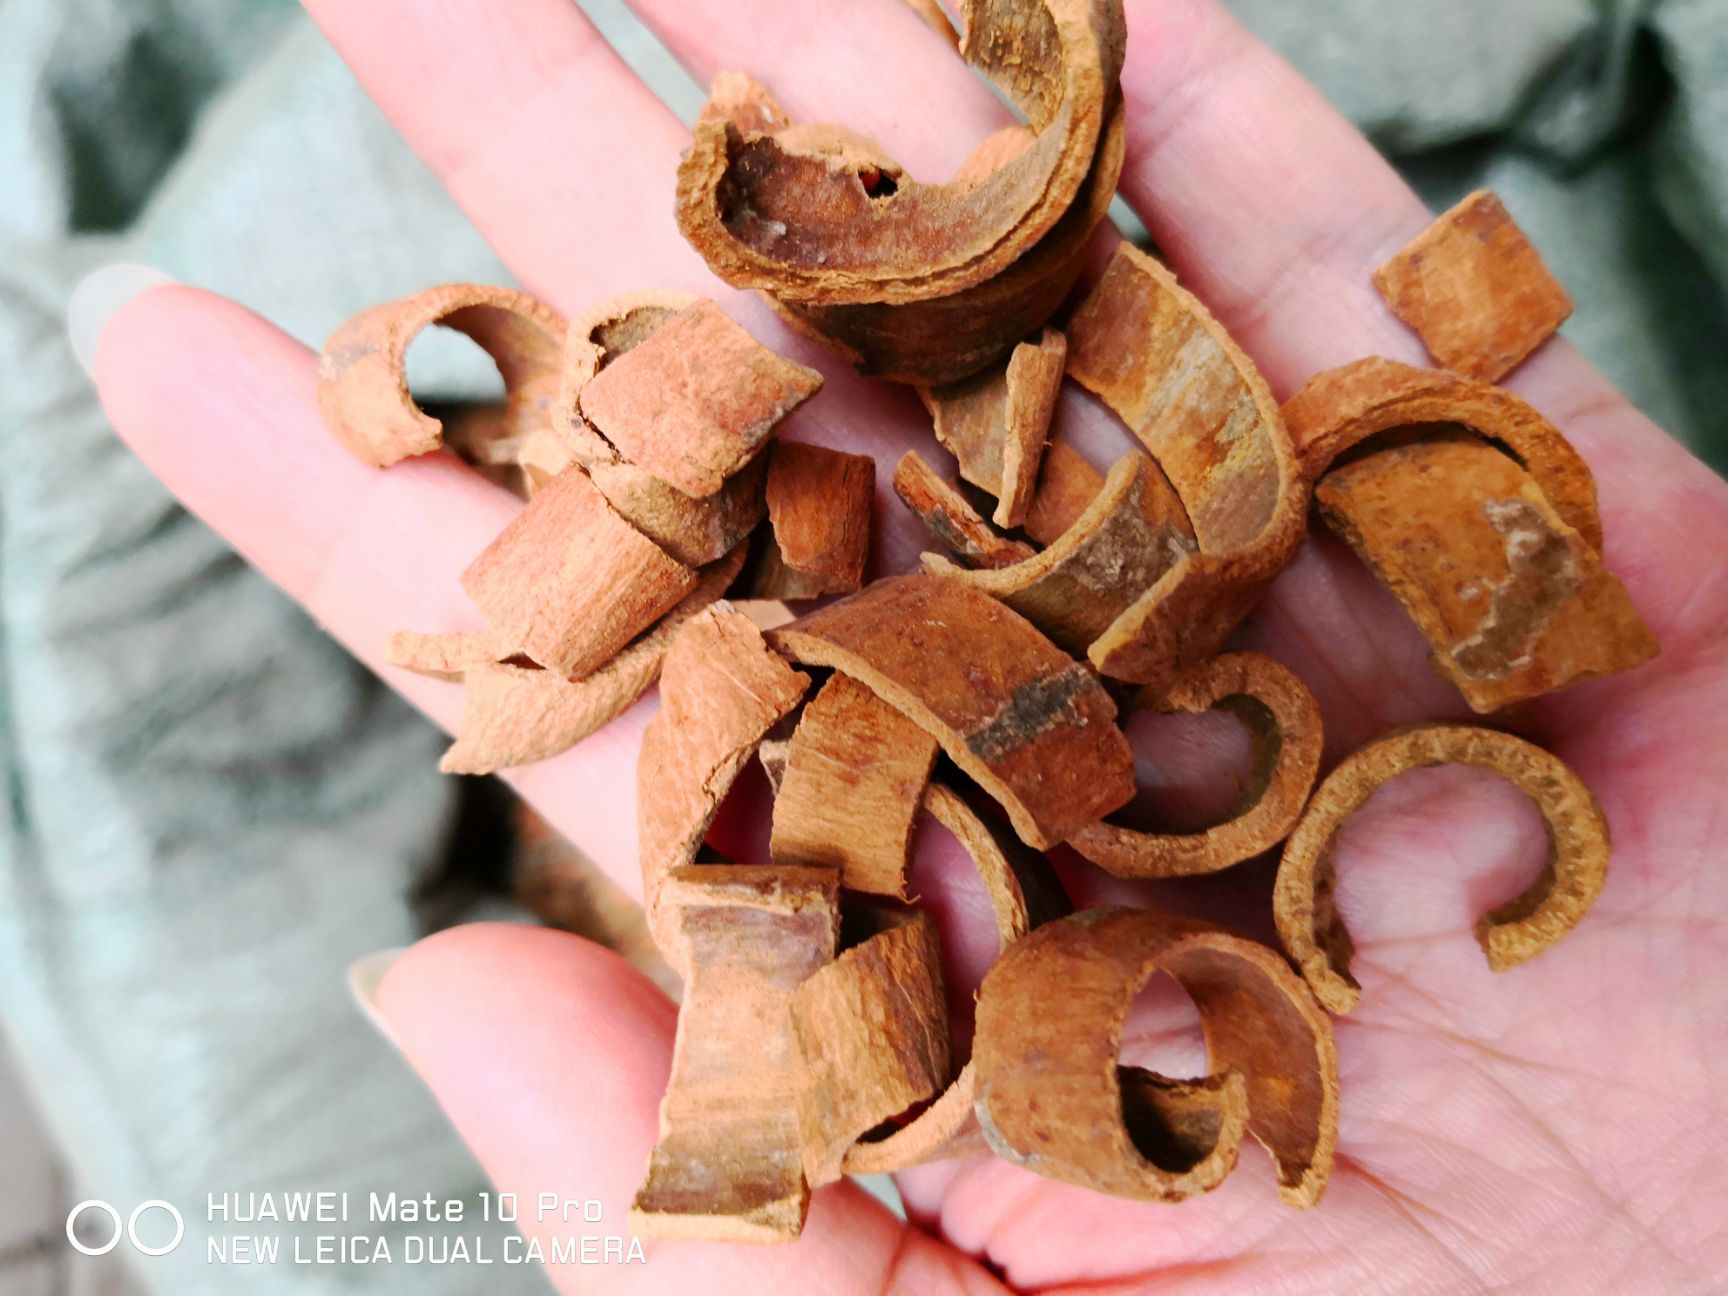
[728, 1166]
[819, 510]
[1284, 722]
[950, 518]
[1032, 727]
[363, 383]
[1475, 290]
[1052, 1097]
[1304, 901]
[1075, 590]
[1067, 483]
[1155, 355]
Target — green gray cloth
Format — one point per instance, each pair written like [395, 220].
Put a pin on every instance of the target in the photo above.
[212, 811]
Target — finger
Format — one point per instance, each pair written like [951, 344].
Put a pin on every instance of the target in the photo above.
[556, 1092]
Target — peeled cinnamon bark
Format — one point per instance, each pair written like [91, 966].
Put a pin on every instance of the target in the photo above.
[1304, 896]
[872, 1037]
[446, 654]
[1284, 722]
[1066, 484]
[1075, 589]
[819, 510]
[363, 383]
[569, 582]
[1052, 1097]
[728, 1165]
[1155, 355]
[951, 519]
[1032, 727]
[1475, 290]
[853, 780]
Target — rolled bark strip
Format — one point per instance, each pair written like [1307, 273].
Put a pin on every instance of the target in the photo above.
[996, 422]
[820, 503]
[1304, 897]
[1338, 410]
[1283, 721]
[1155, 355]
[363, 382]
[1053, 1098]
[721, 690]
[853, 780]
[1477, 293]
[728, 1166]
[951, 518]
[694, 400]
[1514, 602]
[569, 582]
[1032, 727]
[596, 337]
[872, 1038]
[1075, 589]
[1024, 894]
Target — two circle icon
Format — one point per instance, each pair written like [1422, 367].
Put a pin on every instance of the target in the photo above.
[129, 1230]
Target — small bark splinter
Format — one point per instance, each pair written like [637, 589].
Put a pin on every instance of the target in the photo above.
[951, 518]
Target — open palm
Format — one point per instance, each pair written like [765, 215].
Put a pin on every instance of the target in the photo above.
[1558, 1127]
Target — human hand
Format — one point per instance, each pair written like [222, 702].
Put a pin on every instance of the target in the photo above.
[1558, 1126]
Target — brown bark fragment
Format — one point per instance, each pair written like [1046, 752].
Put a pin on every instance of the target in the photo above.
[872, 1036]
[363, 385]
[1155, 355]
[446, 654]
[694, 531]
[1284, 722]
[1075, 589]
[569, 582]
[1067, 483]
[1052, 1097]
[1304, 899]
[721, 690]
[819, 511]
[950, 518]
[854, 777]
[1338, 410]
[1032, 727]
[695, 400]
[1477, 293]
[728, 1165]
[1514, 602]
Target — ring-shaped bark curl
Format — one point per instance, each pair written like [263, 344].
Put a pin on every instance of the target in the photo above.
[1304, 901]
[1053, 1097]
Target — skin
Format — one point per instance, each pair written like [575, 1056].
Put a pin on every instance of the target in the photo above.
[1557, 1127]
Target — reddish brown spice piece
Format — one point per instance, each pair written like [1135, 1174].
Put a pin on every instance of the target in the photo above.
[1304, 897]
[1155, 355]
[728, 1166]
[1066, 484]
[1052, 1097]
[694, 400]
[951, 519]
[1475, 290]
[363, 383]
[1032, 727]
[819, 510]
[1284, 722]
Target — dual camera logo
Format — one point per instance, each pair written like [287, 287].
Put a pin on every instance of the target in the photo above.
[129, 1231]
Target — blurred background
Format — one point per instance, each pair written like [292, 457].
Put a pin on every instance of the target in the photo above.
[211, 812]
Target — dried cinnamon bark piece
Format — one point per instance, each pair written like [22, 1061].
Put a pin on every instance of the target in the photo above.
[721, 690]
[440, 653]
[872, 1037]
[569, 582]
[1304, 900]
[1514, 603]
[819, 509]
[1067, 483]
[1051, 1096]
[694, 400]
[854, 777]
[1340, 409]
[728, 1164]
[995, 423]
[1023, 893]
[950, 518]
[1284, 722]
[1076, 588]
[363, 385]
[694, 531]
[1032, 727]
[1477, 293]
[1155, 355]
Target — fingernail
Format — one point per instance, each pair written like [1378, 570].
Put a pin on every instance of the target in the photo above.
[365, 975]
[99, 297]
